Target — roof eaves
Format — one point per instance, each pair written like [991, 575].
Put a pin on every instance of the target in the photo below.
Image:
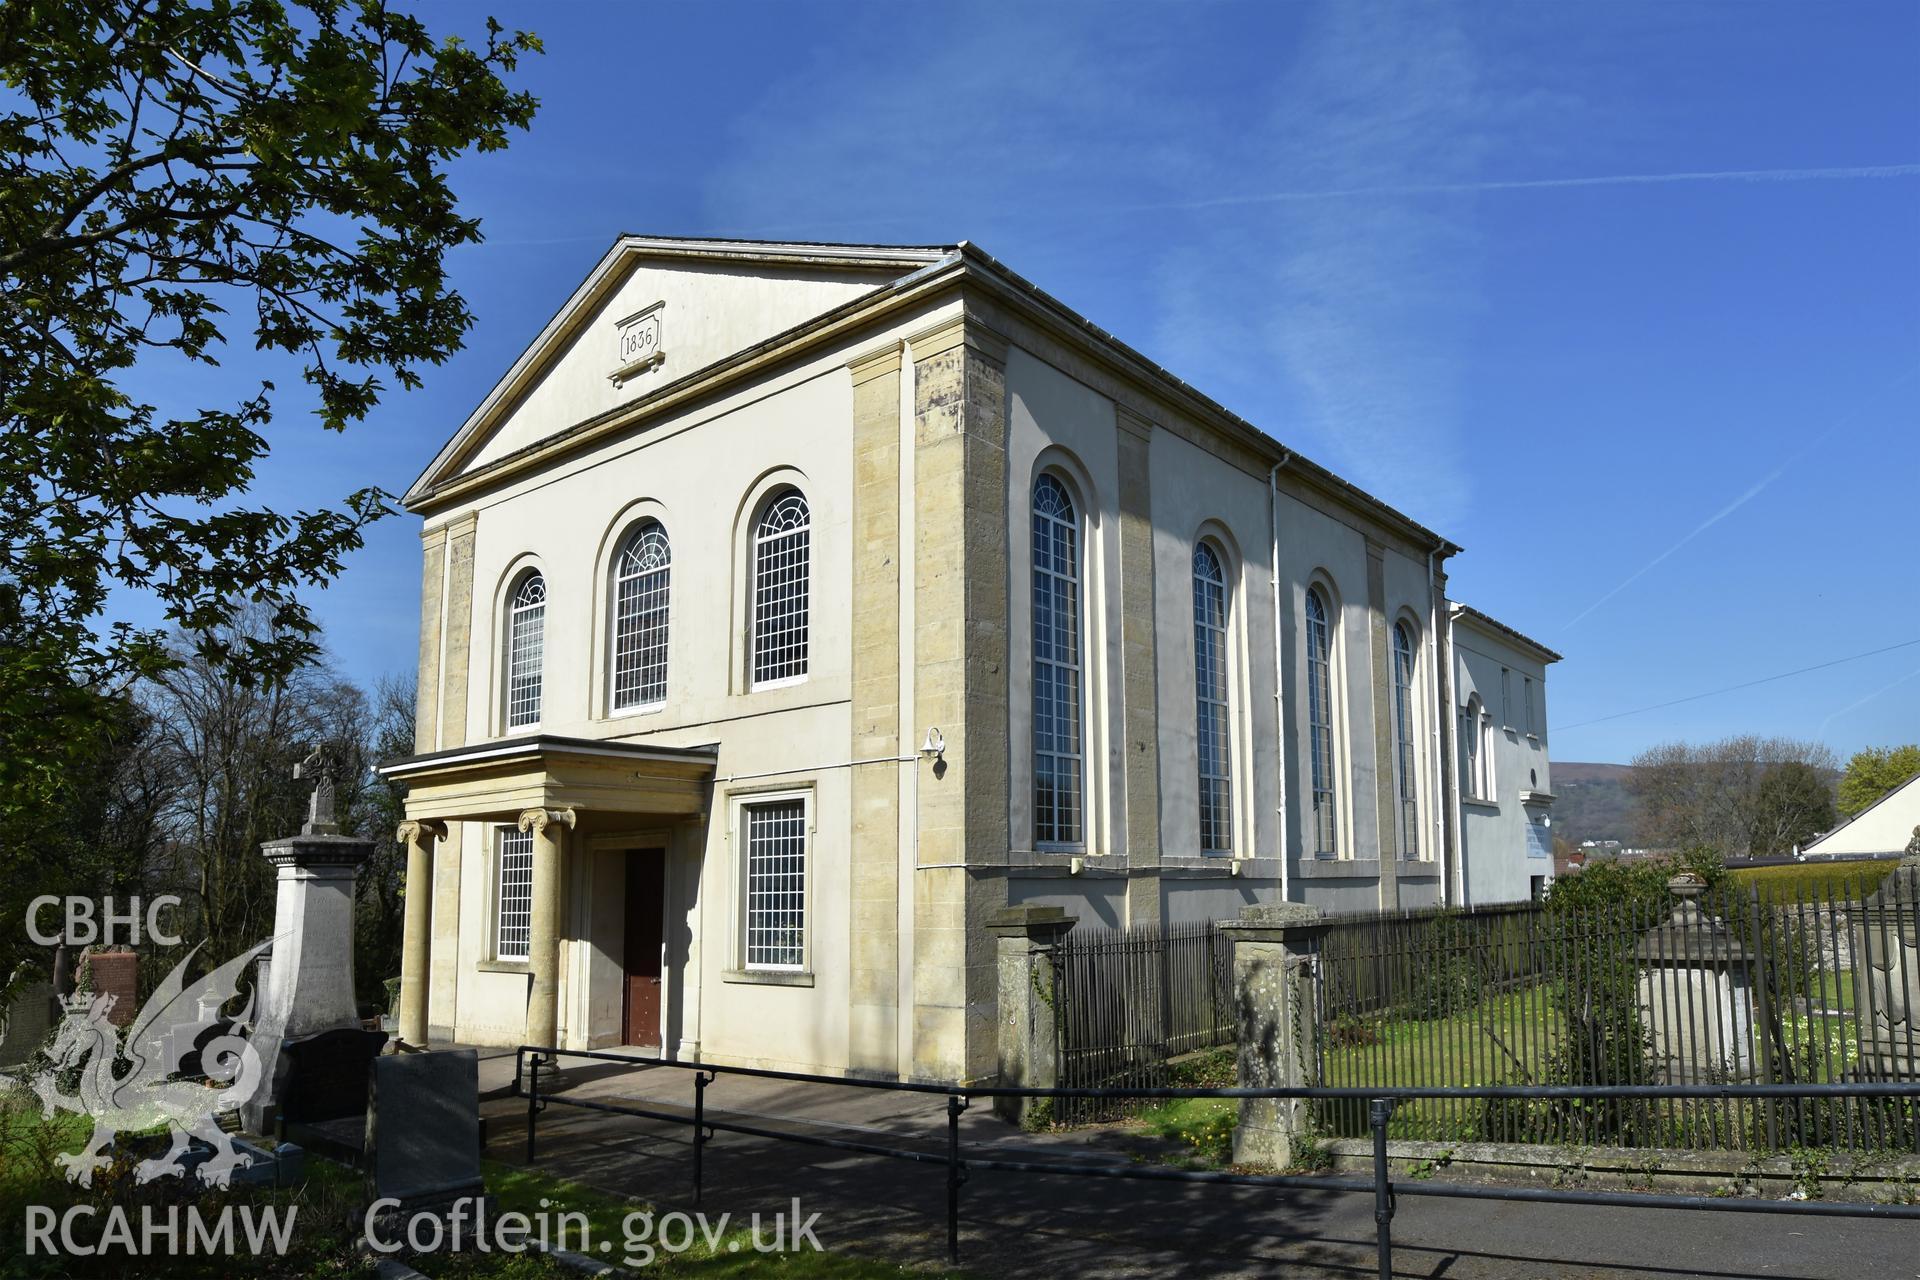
[980, 260]
[1504, 630]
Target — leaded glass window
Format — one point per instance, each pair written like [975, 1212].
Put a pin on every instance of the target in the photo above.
[641, 587]
[1320, 718]
[1211, 716]
[782, 552]
[526, 647]
[1406, 776]
[776, 840]
[1057, 758]
[513, 903]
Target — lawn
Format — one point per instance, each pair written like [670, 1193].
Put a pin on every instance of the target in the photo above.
[1503, 1040]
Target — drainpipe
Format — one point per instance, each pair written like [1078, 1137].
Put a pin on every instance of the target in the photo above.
[1459, 821]
[1279, 666]
[1439, 707]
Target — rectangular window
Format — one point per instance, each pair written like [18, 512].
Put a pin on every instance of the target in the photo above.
[775, 837]
[1506, 698]
[513, 901]
[1532, 728]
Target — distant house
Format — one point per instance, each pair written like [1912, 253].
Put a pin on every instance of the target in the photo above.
[1881, 830]
[1506, 791]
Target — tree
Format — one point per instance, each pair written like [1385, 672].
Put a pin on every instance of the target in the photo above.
[1792, 804]
[1707, 796]
[170, 165]
[230, 750]
[381, 888]
[1874, 773]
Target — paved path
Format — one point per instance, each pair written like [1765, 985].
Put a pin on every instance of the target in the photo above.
[1028, 1224]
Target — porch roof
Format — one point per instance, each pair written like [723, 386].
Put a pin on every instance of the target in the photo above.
[504, 777]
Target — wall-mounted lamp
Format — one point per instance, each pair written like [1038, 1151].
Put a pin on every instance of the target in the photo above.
[935, 747]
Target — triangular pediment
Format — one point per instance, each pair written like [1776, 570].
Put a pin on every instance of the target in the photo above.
[650, 313]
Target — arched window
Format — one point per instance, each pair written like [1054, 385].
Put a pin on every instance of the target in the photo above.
[1476, 726]
[1057, 768]
[782, 553]
[1211, 716]
[526, 646]
[1326, 825]
[1487, 781]
[641, 584]
[1405, 776]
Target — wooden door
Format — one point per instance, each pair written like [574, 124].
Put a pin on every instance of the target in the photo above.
[646, 885]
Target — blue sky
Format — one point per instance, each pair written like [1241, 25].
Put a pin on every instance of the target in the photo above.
[1445, 249]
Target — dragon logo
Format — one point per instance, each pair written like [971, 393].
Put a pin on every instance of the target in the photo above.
[132, 1084]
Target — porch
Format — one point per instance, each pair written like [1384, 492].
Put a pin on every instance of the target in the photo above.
[581, 882]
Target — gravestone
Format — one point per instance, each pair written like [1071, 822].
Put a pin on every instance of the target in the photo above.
[116, 974]
[1695, 1000]
[25, 1023]
[1886, 948]
[307, 994]
[423, 1129]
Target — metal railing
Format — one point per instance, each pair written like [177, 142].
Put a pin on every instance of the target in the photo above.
[1749, 983]
[1127, 1000]
[531, 1060]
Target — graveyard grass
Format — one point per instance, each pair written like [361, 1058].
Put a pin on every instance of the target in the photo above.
[330, 1201]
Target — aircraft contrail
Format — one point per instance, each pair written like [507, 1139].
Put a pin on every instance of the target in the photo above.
[1542, 184]
[1851, 707]
[1753, 491]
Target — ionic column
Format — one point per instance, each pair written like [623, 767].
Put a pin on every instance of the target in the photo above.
[543, 943]
[416, 940]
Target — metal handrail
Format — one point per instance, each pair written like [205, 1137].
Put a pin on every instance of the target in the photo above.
[529, 1061]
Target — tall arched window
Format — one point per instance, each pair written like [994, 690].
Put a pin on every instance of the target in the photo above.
[1326, 825]
[1057, 769]
[1211, 717]
[1475, 728]
[782, 554]
[1405, 775]
[641, 584]
[526, 646]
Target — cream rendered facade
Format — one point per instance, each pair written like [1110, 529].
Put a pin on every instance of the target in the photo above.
[914, 397]
[1506, 794]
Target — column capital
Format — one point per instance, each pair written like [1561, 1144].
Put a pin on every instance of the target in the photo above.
[875, 364]
[967, 330]
[420, 829]
[536, 820]
[1132, 421]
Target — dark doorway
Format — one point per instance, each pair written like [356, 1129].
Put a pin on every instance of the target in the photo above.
[646, 886]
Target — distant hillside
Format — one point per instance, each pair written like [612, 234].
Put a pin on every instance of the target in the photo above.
[1591, 802]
